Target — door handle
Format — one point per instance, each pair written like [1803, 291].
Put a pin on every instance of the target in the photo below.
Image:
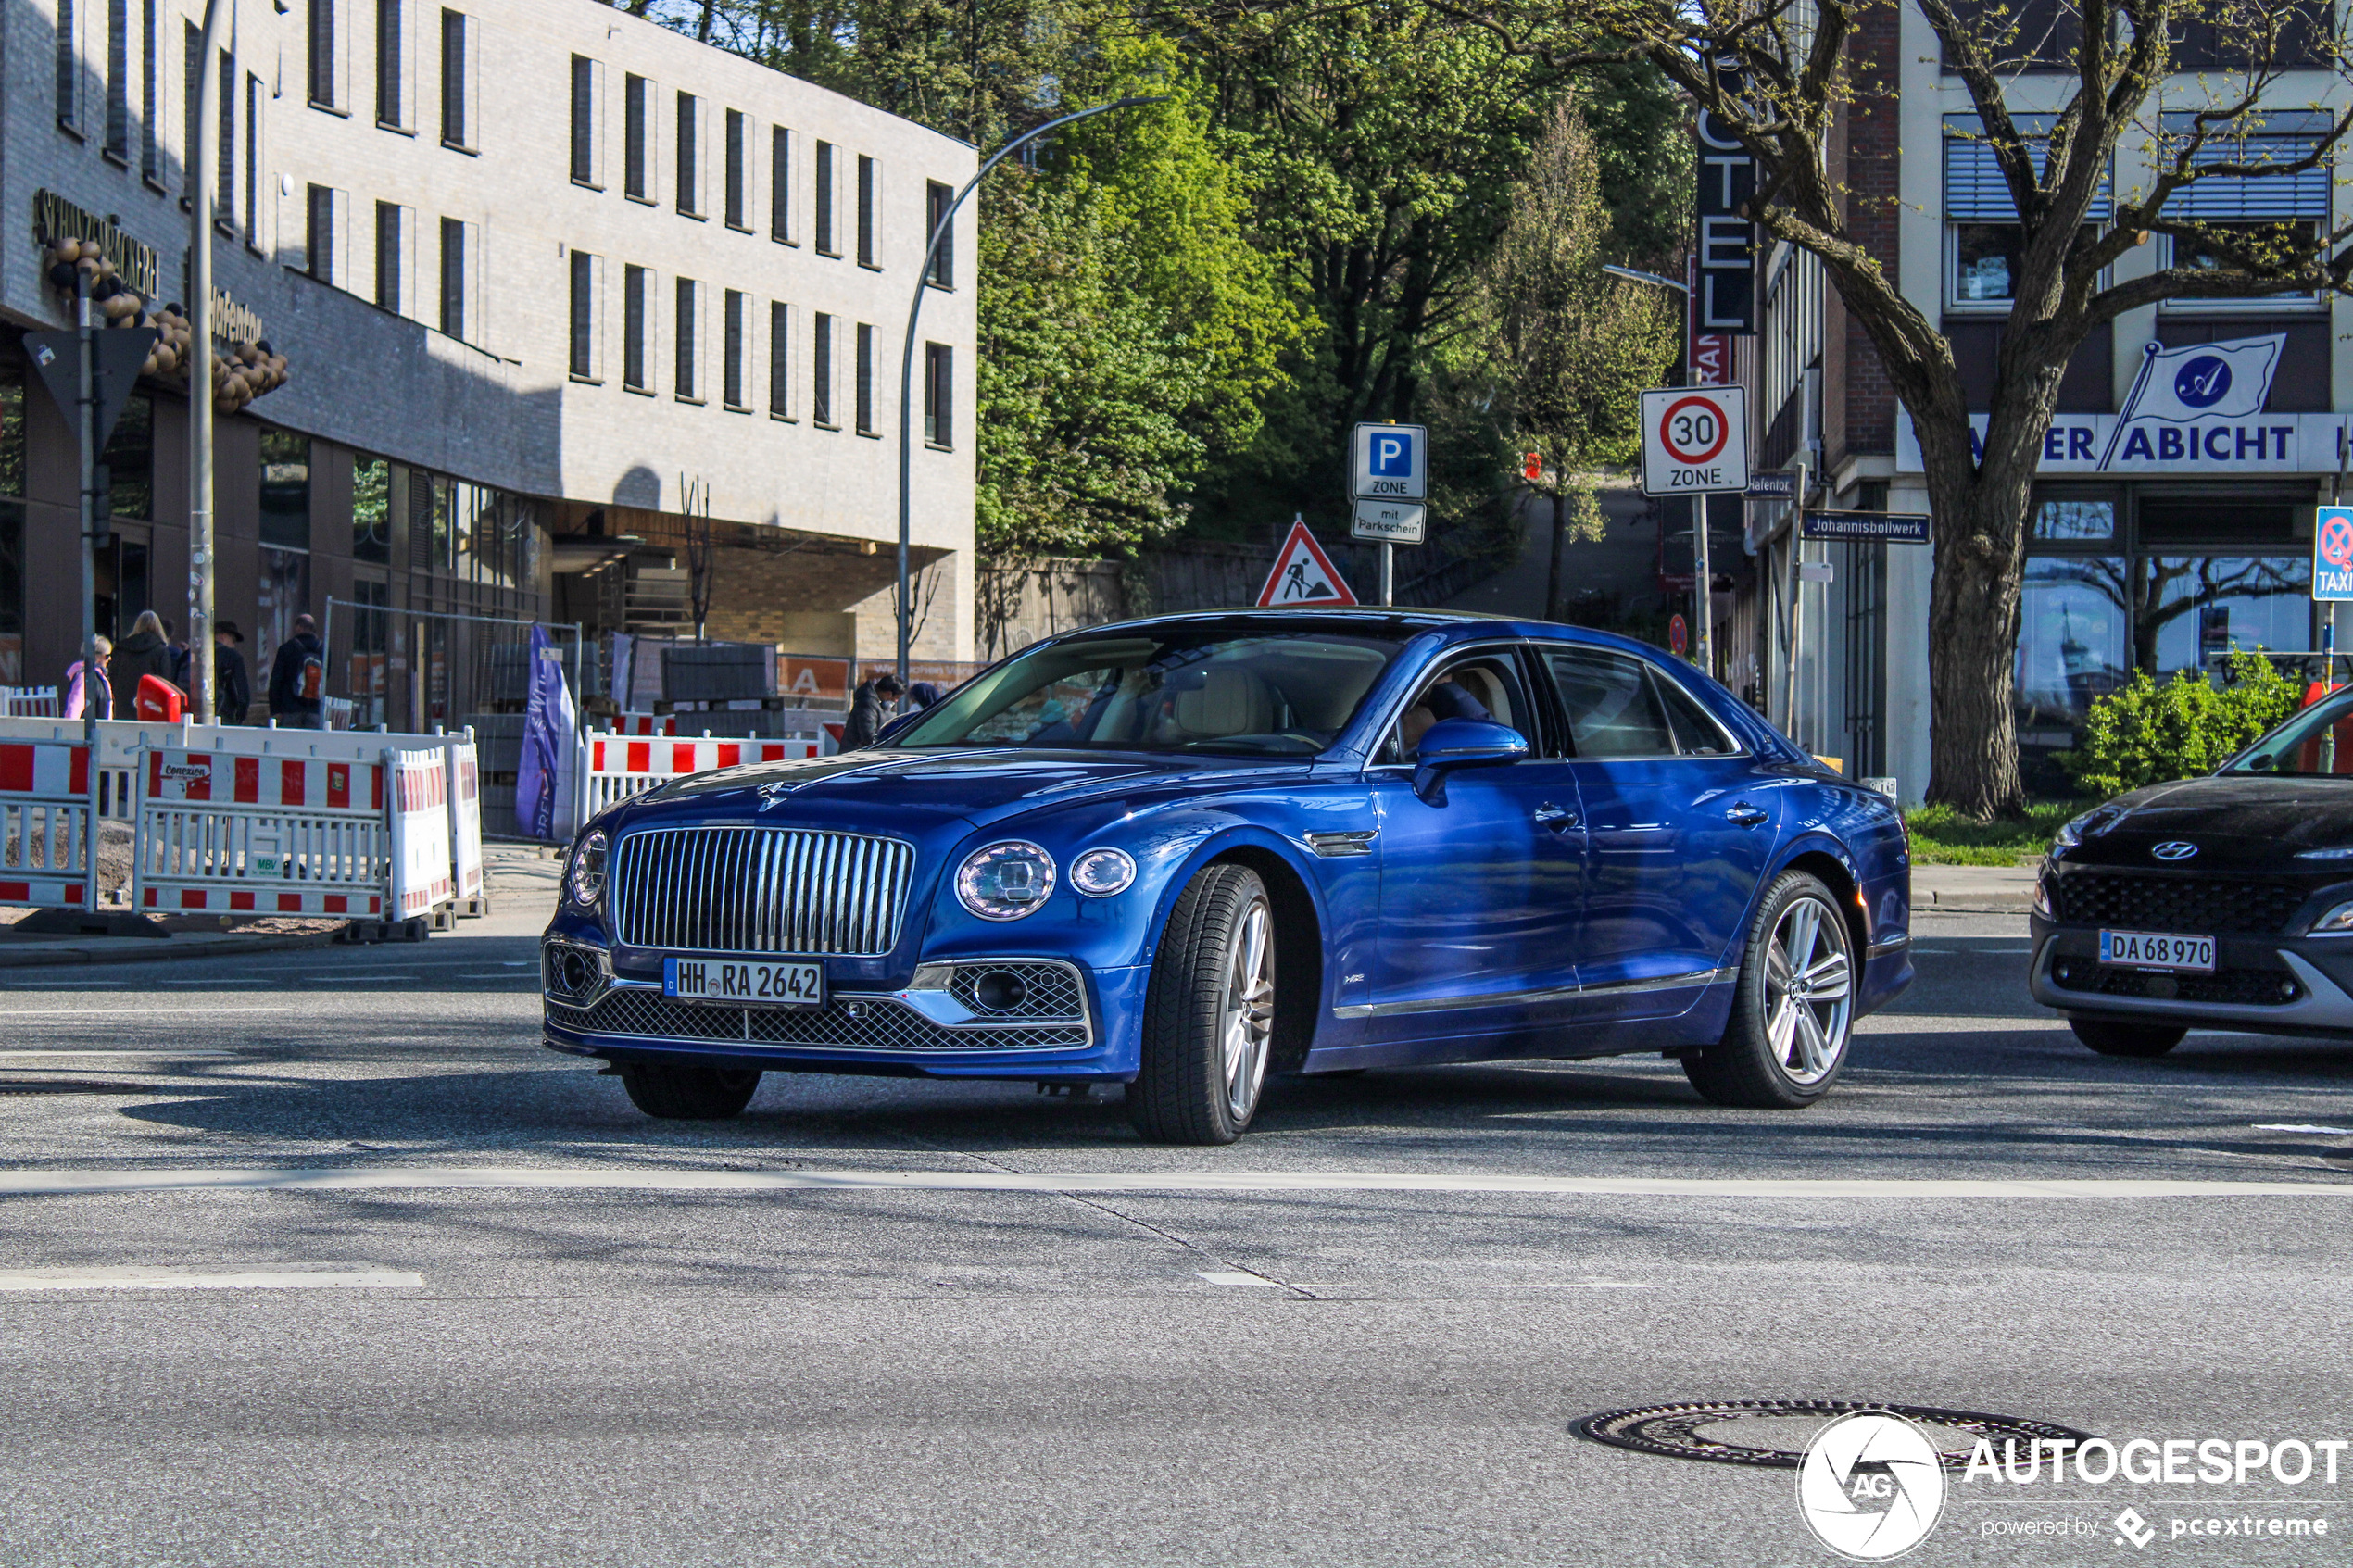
[1560, 819]
[1745, 815]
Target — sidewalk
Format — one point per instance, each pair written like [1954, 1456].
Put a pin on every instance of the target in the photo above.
[2004, 890]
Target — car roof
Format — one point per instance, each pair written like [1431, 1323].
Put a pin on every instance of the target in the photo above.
[1366, 618]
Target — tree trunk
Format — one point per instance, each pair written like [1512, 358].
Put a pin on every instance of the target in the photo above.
[1552, 577]
[1972, 629]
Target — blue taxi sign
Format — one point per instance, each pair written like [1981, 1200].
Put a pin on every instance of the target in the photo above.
[2333, 554]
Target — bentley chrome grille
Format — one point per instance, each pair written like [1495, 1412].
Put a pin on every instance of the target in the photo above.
[760, 890]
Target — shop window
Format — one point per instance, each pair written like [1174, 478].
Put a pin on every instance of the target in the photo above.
[282, 592]
[130, 458]
[11, 594]
[2074, 522]
[2072, 648]
[368, 677]
[285, 489]
[371, 509]
[2191, 612]
[11, 438]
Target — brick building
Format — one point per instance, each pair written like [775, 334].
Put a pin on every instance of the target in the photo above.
[553, 283]
[2147, 550]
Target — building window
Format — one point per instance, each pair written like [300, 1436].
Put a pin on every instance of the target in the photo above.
[371, 509]
[119, 79]
[865, 379]
[253, 161]
[780, 184]
[69, 69]
[634, 285]
[869, 178]
[825, 199]
[388, 248]
[779, 360]
[939, 385]
[453, 79]
[319, 234]
[389, 43]
[689, 150]
[584, 121]
[190, 64]
[2205, 253]
[735, 169]
[686, 386]
[130, 458]
[322, 52]
[285, 489]
[1985, 242]
[633, 92]
[224, 168]
[731, 389]
[150, 103]
[585, 271]
[943, 261]
[453, 278]
[821, 367]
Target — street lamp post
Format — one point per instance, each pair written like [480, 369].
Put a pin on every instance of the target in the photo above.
[201, 157]
[1702, 572]
[907, 358]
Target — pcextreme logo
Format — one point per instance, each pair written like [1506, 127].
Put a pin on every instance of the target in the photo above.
[1871, 1486]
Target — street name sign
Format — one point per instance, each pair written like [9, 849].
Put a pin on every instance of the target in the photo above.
[1881, 528]
[1694, 440]
[2333, 555]
[1389, 463]
[1389, 523]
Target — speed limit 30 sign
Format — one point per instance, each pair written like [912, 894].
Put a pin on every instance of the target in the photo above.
[1694, 440]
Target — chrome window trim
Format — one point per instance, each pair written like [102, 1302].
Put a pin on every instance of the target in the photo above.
[1738, 749]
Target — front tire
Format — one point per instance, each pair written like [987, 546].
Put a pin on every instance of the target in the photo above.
[2127, 1039]
[689, 1094]
[1785, 1043]
[1209, 1013]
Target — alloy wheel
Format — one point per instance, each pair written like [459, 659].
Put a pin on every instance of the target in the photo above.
[1248, 1020]
[1809, 990]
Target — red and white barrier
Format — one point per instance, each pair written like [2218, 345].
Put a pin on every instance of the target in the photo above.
[236, 834]
[645, 724]
[465, 824]
[44, 816]
[31, 702]
[423, 879]
[613, 768]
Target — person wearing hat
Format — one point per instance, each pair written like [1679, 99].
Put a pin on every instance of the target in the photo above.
[231, 686]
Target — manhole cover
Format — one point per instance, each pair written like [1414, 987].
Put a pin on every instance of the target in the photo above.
[1774, 1432]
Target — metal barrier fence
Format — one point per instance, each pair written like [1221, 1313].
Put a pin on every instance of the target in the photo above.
[44, 815]
[253, 835]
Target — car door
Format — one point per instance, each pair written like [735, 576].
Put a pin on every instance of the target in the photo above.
[1677, 829]
[1481, 893]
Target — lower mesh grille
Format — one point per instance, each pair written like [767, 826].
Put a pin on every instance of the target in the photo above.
[1048, 992]
[878, 1024]
[2232, 987]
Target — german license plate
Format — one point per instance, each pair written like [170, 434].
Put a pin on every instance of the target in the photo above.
[2157, 950]
[738, 984]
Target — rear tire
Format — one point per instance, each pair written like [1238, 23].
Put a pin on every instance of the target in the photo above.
[1793, 1008]
[2112, 1038]
[1209, 1013]
[689, 1094]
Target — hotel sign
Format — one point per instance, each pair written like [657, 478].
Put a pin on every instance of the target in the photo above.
[53, 218]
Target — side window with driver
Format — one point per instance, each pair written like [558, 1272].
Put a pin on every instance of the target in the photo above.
[1611, 706]
[1486, 686]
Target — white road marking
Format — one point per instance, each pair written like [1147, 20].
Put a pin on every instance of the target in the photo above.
[622, 1178]
[1564, 1284]
[1216, 1277]
[202, 1279]
[2302, 1127]
[159, 1054]
[161, 1015]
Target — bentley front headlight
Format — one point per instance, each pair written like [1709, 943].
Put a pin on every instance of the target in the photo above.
[587, 877]
[1005, 881]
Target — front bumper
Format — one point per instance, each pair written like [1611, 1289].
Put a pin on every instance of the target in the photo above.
[2261, 984]
[929, 1028]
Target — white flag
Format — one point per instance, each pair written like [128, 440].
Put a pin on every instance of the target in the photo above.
[2206, 381]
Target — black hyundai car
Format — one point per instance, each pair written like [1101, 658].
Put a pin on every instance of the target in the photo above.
[2223, 902]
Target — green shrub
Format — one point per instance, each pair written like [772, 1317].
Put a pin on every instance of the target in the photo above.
[2144, 734]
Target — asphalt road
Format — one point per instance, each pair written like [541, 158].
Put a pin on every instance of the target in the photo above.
[879, 1322]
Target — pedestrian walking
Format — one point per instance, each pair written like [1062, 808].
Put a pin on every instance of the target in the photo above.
[231, 684]
[95, 692]
[147, 651]
[298, 679]
[869, 708]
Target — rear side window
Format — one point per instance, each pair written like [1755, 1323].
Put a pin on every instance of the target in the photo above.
[1696, 735]
[1611, 703]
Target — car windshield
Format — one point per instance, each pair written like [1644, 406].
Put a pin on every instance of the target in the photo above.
[1179, 688]
[2318, 740]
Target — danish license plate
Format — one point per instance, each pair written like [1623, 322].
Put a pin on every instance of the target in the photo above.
[738, 984]
[2157, 950]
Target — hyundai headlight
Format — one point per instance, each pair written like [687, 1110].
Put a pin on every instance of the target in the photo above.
[2091, 824]
[587, 877]
[1101, 871]
[2337, 922]
[1005, 881]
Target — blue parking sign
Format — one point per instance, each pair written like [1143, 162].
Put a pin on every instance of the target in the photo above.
[1388, 462]
[2333, 554]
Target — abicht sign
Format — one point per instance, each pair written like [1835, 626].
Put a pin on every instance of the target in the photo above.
[2333, 554]
[1694, 440]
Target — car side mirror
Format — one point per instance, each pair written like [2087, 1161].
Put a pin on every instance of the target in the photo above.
[1462, 743]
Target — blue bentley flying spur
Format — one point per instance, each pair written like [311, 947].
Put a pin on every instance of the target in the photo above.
[1182, 853]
